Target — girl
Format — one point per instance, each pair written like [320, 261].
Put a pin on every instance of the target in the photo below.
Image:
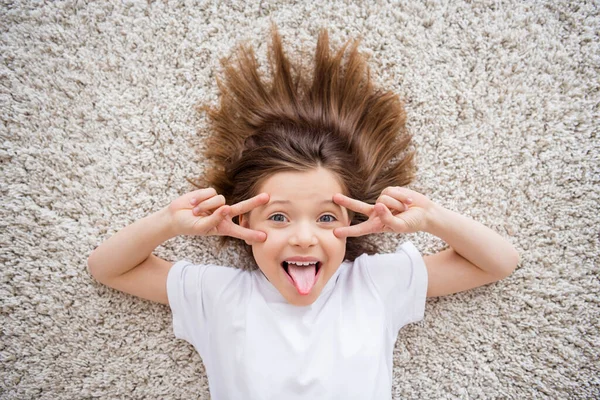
[300, 171]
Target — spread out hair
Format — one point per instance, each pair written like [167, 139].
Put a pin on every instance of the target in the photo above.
[333, 118]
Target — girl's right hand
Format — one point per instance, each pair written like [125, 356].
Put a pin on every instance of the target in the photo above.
[204, 212]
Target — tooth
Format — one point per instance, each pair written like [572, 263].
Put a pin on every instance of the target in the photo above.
[303, 264]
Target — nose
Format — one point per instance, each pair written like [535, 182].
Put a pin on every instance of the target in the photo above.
[303, 235]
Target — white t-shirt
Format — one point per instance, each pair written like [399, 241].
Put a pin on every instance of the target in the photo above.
[255, 345]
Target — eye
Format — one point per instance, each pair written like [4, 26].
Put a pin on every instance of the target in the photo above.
[329, 215]
[276, 215]
[279, 216]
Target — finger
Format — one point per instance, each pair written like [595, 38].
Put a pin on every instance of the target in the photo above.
[364, 228]
[352, 204]
[392, 203]
[209, 204]
[398, 193]
[198, 196]
[209, 223]
[247, 205]
[240, 232]
[397, 224]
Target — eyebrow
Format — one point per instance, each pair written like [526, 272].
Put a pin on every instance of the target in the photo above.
[289, 202]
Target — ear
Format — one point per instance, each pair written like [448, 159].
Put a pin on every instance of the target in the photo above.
[244, 222]
[350, 217]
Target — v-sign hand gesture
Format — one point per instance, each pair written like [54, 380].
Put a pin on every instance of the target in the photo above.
[204, 212]
[397, 209]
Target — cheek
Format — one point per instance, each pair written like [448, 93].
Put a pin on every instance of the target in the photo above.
[340, 243]
[274, 239]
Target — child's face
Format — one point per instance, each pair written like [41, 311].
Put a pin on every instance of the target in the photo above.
[303, 227]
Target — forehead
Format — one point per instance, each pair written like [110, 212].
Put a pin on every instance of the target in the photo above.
[317, 181]
[301, 189]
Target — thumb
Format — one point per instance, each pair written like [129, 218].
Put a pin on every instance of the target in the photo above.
[395, 223]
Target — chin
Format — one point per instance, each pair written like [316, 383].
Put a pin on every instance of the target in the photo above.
[306, 300]
[296, 299]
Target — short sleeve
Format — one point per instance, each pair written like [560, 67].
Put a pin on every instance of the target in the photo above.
[401, 280]
[184, 291]
[194, 292]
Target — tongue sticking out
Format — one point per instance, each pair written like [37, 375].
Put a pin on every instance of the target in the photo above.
[303, 277]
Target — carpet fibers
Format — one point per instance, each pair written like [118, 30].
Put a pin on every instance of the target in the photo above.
[99, 130]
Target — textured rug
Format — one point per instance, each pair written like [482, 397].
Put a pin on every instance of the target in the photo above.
[99, 129]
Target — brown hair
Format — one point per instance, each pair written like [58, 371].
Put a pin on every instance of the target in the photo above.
[337, 121]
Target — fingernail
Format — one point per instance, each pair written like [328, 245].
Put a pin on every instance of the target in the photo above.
[409, 200]
[193, 201]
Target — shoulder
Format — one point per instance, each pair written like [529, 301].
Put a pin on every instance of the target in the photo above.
[388, 270]
[405, 256]
[185, 267]
[210, 279]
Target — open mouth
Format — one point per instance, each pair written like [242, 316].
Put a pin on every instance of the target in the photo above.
[285, 267]
[302, 277]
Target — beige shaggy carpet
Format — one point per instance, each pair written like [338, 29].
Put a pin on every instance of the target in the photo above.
[99, 129]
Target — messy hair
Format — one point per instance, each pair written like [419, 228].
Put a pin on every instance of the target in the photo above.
[338, 121]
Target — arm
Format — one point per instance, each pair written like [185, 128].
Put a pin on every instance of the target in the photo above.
[125, 261]
[477, 256]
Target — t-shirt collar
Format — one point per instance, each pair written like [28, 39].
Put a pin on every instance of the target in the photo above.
[273, 295]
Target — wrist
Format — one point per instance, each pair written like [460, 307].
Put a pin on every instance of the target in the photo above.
[435, 219]
[164, 221]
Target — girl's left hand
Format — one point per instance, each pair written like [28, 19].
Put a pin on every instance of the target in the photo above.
[397, 209]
